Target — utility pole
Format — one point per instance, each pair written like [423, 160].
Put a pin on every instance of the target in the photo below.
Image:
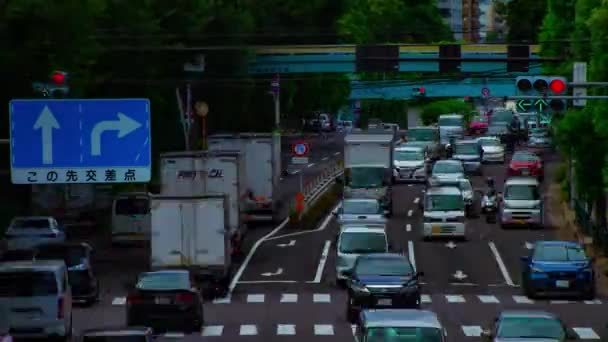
[275, 86]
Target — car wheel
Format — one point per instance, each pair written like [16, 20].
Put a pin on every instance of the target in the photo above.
[528, 290]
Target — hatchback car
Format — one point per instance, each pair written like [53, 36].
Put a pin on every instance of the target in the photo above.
[39, 298]
[444, 213]
[164, 300]
[524, 163]
[356, 240]
[32, 231]
[118, 334]
[447, 172]
[492, 150]
[399, 325]
[528, 326]
[360, 210]
[78, 258]
[558, 267]
[383, 280]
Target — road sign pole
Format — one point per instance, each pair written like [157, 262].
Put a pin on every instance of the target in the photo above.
[182, 113]
[579, 75]
[276, 92]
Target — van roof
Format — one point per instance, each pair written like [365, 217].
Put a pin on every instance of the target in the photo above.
[356, 229]
[522, 181]
[37, 265]
[444, 190]
[400, 318]
[410, 148]
[457, 116]
[363, 226]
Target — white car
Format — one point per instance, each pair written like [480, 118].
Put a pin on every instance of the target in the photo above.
[32, 231]
[410, 164]
[493, 150]
[444, 213]
[447, 172]
[355, 240]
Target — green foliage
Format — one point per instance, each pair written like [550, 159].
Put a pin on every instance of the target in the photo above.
[523, 18]
[392, 111]
[430, 112]
[557, 27]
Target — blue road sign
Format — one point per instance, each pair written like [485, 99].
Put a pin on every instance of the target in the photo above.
[80, 141]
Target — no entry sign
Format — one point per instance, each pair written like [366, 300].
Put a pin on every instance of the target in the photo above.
[300, 149]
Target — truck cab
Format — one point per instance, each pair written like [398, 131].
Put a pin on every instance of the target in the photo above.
[469, 152]
[444, 213]
[522, 204]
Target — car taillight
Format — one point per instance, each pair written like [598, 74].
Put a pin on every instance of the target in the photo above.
[133, 299]
[184, 298]
[60, 305]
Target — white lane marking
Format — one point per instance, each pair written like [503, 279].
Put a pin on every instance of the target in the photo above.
[455, 299]
[410, 185]
[296, 172]
[426, 299]
[321, 298]
[337, 154]
[353, 328]
[256, 298]
[324, 329]
[248, 330]
[286, 329]
[408, 227]
[226, 300]
[464, 284]
[471, 330]
[213, 330]
[322, 262]
[488, 299]
[321, 227]
[586, 333]
[324, 158]
[416, 200]
[410, 212]
[522, 300]
[119, 301]
[411, 254]
[174, 335]
[595, 301]
[501, 264]
[256, 245]
[560, 302]
[289, 298]
[310, 165]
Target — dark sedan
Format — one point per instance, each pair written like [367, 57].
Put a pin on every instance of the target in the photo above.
[165, 300]
[383, 280]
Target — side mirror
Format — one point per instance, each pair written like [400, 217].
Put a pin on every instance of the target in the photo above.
[348, 273]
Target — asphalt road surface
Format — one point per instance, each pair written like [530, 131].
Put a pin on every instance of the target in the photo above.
[287, 289]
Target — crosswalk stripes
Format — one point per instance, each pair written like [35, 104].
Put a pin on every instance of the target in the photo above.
[327, 298]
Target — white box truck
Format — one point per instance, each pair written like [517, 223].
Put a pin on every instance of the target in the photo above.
[368, 167]
[192, 233]
[196, 173]
[263, 168]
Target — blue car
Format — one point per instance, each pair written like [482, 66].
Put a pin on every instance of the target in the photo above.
[558, 267]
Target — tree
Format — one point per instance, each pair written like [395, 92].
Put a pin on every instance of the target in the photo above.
[431, 112]
[523, 19]
[556, 29]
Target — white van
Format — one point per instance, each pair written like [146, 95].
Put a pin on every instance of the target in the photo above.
[39, 298]
[355, 240]
[131, 219]
[444, 213]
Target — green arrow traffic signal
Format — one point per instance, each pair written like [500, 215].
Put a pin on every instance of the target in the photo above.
[541, 104]
[523, 105]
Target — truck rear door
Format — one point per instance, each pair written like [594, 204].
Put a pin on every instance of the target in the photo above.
[168, 232]
[210, 240]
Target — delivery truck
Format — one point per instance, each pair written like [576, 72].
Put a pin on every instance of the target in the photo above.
[262, 153]
[193, 233]
[196, 173]
[368, 167]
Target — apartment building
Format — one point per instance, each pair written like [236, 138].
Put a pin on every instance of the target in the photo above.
[470, 20]
[451, 12]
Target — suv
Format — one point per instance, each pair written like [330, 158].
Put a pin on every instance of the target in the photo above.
[469, 153]
[39, 297]
[522, 204]
[356, 240]
[444, 213]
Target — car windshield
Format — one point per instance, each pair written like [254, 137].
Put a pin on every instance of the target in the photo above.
[444, 203]
[360, 243]
[71, 255]
[525, 157]
[164, 281]
[466, 149]
[521, 192]
[383, 266]
[489, 142]
[447, 168]
[404, 335]
[422, 135]
[360, 207]
[531, 327]
[497, 128]
[366, 177]
[409, 155]
[27, 284]
[117, 338]
[132, 206]
[450, 122]
[31, 223]
[559, 253]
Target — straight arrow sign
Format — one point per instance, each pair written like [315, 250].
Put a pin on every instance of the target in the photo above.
[46, 122]
[124, 125]
[290, 244]
[279, 271]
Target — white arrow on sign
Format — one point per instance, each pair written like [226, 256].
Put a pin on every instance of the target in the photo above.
[124, 125]
[529, 245]
[290, 244]
[460, 275]
[270, 274]
[450, 245]
[46, 122]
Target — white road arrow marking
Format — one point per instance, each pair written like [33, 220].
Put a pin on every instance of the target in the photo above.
[124, 125]
[450, 245]
[279, 271]
[46, 122]
[529, 245]
[290, 244]
[460, 275]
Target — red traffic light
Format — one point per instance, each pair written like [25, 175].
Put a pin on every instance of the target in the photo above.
[421, 90]
[557, 86]
[524, 84]
[58, 78]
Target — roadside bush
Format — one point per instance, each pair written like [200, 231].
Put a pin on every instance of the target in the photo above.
[561, 178]
[318, 211]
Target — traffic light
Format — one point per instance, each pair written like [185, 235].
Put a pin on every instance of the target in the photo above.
[541, 86]
[418, 92]
[58, 85]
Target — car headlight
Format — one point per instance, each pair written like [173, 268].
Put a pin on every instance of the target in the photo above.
[359, 288]
[537, 270]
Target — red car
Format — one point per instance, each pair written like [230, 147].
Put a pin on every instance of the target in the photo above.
[525, 163]
[478, 126]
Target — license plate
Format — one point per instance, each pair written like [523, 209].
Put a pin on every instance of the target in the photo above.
[562, 284]
[160, 300]
[385, 302]
[525, 172]
[520, 221]
[436, 229]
